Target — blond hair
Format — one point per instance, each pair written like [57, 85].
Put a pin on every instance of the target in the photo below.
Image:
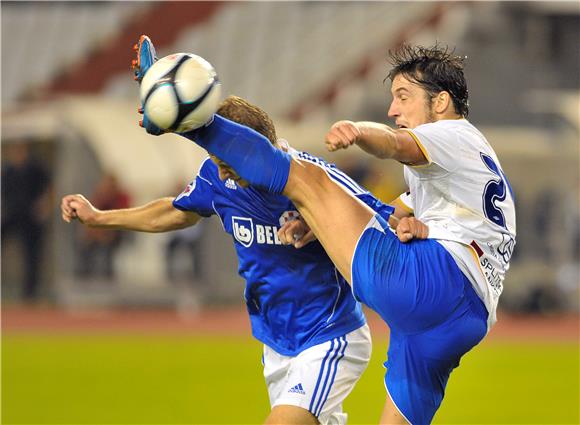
[243, 112]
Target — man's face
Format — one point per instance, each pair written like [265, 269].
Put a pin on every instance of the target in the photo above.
[411, 105]
[225, 172]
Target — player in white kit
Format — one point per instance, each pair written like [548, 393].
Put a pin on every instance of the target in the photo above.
[439, 295]
[481, 244]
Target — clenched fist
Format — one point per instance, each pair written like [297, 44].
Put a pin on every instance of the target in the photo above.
[78, 207]
[341, 135]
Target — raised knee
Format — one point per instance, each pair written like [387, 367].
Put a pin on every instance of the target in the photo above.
[305, 181]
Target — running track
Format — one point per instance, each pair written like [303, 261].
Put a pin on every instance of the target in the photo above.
[234, 322]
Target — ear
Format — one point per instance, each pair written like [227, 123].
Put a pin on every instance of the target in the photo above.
[283, 144]
[442, 102]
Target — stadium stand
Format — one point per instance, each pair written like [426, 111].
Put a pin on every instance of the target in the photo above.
[69, 31]
[307, 63]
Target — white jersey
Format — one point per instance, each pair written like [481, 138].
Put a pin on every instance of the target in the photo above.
[464, 197]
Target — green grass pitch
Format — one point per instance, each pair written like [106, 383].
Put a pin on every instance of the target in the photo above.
[185, 379]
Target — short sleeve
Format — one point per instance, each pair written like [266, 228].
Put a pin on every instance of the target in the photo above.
[439, 143]
[406, 201]
[199, 194]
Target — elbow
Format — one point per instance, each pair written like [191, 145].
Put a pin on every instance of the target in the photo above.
[156, 225]
[384, 154]
[166, 224]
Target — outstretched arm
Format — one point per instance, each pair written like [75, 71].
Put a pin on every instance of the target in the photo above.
[379, 140]
[156, 216]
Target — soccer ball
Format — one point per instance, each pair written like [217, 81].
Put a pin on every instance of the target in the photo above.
[180, 92]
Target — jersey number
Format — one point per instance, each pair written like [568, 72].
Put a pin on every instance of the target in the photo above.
[494, 192]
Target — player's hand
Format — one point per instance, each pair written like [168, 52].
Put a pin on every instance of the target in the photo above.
[296, 233]
[341, 135]
[410, 228]
[78, 207]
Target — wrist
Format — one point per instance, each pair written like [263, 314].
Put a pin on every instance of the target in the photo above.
[97, 219]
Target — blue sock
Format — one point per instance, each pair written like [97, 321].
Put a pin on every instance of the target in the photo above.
[249, 153]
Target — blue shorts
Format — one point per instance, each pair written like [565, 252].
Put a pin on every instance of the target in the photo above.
[431, 308]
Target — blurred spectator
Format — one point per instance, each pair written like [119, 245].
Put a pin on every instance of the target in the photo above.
[183, 251]
[98, 246]
[182, 254]
[547, 204]
[543, 298]
[26, 205]
[568, 276]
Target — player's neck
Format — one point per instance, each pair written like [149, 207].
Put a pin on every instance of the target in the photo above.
[448, 115]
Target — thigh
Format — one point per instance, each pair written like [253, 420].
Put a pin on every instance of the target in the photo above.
[335, 216]
[276, 367]
[413, 286]
[321, 377]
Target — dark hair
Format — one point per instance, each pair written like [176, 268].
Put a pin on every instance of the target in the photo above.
[436, 69]
[243, 112]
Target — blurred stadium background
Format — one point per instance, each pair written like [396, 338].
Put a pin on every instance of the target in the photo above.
[150, 338]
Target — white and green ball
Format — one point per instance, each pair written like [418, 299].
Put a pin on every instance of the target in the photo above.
[180, 92]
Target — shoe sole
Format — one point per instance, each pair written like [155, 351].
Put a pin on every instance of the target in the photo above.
[136, 63]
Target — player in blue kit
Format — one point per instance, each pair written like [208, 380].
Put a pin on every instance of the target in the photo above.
[438, 296]
[316, 341]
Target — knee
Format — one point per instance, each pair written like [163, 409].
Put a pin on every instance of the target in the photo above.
[306, 181]
[290, 415]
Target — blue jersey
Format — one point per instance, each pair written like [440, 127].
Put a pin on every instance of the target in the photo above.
[295, 297]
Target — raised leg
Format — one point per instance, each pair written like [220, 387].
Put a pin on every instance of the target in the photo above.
[336, 217]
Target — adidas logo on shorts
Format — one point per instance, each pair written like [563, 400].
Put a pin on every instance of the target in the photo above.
[297, 389]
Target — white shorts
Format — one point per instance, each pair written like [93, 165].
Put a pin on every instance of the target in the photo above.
[320, 377]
